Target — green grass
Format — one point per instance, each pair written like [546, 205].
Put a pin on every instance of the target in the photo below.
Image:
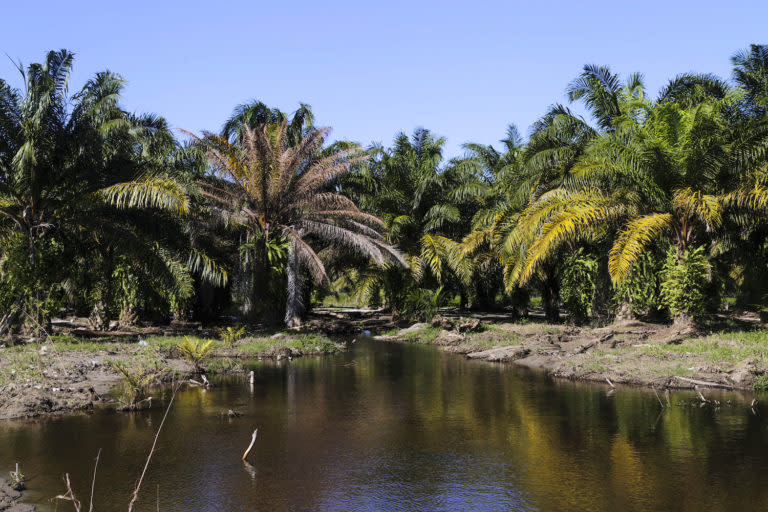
[723, 347]
[424, 335]
[305, 342]
[482, 339]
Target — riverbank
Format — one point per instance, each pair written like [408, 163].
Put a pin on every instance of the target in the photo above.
[67, 373]
[631, 352]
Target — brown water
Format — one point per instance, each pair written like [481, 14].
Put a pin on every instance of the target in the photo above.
[405, 427]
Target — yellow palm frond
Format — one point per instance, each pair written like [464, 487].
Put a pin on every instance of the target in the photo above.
[148, 192]
[748, 198]
[568, 226]
[633, 240]
[707, 208]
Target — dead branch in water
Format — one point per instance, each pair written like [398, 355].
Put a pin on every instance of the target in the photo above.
[253, 440]
[69, 495]
[152, 451]
[93, 483]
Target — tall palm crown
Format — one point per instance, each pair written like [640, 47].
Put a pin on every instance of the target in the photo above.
[278, 190]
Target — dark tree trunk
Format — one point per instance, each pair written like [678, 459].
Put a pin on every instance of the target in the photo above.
[602, 298]
[462, 299]
[264, 302]
[294, 305]
[520, 299]
[99, 318]
[11, 317]
[550, 298]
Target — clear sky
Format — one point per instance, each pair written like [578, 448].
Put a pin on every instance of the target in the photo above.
[465, 70]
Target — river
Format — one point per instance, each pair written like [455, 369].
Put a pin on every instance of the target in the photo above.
[387, 426]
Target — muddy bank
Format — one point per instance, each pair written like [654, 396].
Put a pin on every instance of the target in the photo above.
[631, 352]
[77, 374]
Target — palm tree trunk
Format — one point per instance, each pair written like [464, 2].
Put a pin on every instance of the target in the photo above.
[462, 299]
[294, 307]
[550, 298]
[624, 310]
[602, 297]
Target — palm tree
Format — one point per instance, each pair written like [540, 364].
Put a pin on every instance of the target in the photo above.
[65, 160]
[667, 172]
[750, 71]
[280, 194]
[403, 186]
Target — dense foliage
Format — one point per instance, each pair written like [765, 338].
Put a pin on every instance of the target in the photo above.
[650, 206]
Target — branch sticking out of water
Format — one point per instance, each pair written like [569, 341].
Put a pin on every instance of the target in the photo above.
[253, 440]
[151, 451]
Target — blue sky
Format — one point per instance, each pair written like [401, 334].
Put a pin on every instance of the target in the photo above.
[370, 69]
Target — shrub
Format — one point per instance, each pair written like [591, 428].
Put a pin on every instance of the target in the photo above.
[195, 351]
[230, 335]
[577, 287]
[135, 386]
[423, 303]
[684, 280]
[642, 286]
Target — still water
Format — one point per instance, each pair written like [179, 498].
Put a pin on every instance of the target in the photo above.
[404, 427]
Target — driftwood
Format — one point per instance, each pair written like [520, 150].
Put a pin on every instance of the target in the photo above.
[704, 383]
[253, 440]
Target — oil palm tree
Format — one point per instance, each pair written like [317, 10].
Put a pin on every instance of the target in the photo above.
[281, 194]
[404, 186]
[668, 172]
[63, 161]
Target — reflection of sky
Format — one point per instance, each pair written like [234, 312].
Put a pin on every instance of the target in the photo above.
[403, 427]
[408, 481]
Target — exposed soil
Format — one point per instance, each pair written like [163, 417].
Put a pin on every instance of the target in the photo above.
[9, 498]
[79, 373]
[629, 352]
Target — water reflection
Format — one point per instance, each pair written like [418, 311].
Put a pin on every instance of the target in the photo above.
[403, 427]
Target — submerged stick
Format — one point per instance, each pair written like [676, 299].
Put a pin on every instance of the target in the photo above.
[609, 382]
[658, 398]
[253, 440]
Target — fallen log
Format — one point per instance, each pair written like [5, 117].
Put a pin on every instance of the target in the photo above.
[704, 383]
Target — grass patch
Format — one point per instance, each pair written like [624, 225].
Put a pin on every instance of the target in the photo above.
[424, 335]
[307, 343]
